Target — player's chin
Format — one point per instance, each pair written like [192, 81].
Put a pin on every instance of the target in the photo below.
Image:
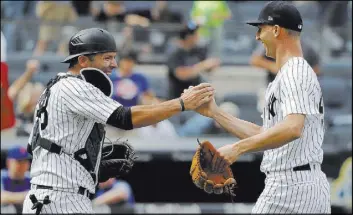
[108, 72]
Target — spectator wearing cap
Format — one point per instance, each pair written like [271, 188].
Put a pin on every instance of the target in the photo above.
[187, 61]
[260, 60]
[114, 191]
[130, 88]
[211, 15]
[15, 181]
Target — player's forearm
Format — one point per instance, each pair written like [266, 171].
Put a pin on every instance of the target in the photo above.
[13, 197]
[18, 84]
[277, 136]
[144, 115]
[237, 127]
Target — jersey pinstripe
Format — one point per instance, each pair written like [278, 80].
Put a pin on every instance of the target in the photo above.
[73, 107]
[295, 90]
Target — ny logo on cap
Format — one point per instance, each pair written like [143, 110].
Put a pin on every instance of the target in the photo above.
[300, 26]
[270, 18]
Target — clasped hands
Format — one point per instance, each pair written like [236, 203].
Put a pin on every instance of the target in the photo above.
[200, 99]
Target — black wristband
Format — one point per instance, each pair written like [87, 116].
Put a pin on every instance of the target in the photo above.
[182, 104]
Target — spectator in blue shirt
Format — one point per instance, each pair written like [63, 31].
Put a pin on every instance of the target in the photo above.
[15, 181]
[114, 192]
[130, 88]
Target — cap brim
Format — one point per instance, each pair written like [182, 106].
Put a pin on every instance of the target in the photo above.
[67, 59]
[255, 23]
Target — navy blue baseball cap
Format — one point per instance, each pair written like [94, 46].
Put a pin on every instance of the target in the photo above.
[18, 153]
[188, 29]
[281, 13]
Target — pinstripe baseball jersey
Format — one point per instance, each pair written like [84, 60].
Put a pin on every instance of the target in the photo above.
[74, 106]
[295, 90]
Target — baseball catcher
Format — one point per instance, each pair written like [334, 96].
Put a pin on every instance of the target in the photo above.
[210, 171]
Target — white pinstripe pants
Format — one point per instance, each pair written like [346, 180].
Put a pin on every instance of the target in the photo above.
[295, 192]
[61, 202]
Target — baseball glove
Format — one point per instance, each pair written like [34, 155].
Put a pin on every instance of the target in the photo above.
[118, 159]
[210, 171]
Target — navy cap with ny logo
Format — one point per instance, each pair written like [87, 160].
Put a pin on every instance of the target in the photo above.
[280, 13]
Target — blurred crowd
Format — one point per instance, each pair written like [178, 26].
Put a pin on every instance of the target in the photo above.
[132, 21]
[193, 55]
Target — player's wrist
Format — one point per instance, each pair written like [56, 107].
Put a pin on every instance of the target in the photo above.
[182, 105]
[238, 149]
[215, 112]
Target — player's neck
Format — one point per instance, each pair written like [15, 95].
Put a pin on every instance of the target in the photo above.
[74, 71]
[287, 50]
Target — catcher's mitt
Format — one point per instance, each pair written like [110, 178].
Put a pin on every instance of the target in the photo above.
[117, 160]
[210, 171]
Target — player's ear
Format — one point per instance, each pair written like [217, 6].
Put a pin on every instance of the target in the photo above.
[276, 30]
[83, 61]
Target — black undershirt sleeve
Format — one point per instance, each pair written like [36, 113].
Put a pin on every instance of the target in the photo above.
[121, 118]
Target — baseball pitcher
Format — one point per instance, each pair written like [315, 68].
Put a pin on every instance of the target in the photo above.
[293, 122]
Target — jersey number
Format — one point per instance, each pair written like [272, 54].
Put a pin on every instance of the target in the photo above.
[270, 106]
[43, 110]
[321, 106]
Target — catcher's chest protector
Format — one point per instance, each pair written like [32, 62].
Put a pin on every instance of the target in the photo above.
[89, 156]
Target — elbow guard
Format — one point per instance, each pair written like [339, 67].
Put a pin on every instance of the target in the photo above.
[121, 118]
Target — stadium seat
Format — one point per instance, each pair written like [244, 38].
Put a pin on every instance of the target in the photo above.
[247, 103]
[338, 68]
[159, 85]
[241, 99]
[337, 98]
[336, 93]
[341, 135]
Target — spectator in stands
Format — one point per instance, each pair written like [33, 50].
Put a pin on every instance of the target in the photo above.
[15, 11]
[15, 181]
[130, 88]
[198, 125]
[259, 59]
[83, 8]
[25, 94]
[187, 61]
[333, 19]
[114, 192]
[159, 13]
[115, 10]
[53, 16]
[210, 15]
[163, 129]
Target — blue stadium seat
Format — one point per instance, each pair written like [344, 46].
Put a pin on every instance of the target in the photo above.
[159, 85]
[339, 135]
[337, 98]
[241, 99]
[336, 93]
[338, 68]
[247, 103]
